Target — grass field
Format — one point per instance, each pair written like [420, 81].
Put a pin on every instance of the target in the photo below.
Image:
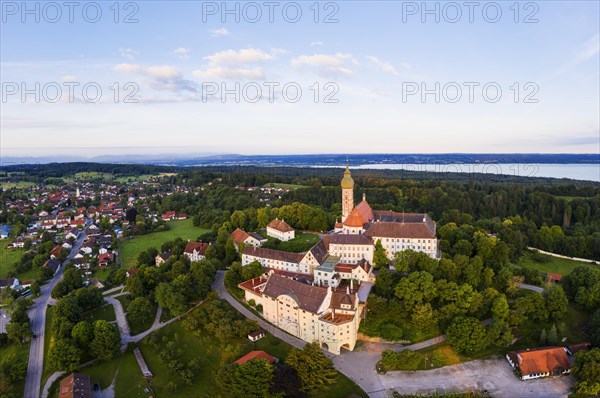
[301, 243]
[16, 184]
[183, 229]
[21, 353]
[106, 313]
[8, 258]
[281, 185]
[553, 264]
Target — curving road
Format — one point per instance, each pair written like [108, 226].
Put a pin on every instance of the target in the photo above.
[37, 317]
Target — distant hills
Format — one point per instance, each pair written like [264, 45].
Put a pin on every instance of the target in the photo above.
[217, 159]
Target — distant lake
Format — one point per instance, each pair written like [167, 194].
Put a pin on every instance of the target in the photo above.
[587, 172]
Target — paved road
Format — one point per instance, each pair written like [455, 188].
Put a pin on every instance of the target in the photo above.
[494, 375]
[219, 286]
[37, 316]
[4, 320]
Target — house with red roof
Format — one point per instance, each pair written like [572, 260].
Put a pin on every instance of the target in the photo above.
[540, 362]
[281, 230]
[195, 251]
[239, 237]
[256, 355]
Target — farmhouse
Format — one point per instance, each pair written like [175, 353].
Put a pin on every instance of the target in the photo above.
[281, 230]
[540, 362]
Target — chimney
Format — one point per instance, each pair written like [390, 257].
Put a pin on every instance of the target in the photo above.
[347, 290]
[364, 196]
[351, 284]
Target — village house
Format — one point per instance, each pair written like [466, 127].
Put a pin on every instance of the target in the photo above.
[256, 355]
[161, 258]
[540, 362]
[168, 216]
[281, 230]
[75, 385]
[256, 335]
[195, 251]
[239, 237]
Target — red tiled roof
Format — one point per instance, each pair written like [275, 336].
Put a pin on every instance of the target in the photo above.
[198, 246]
[256, 355]
[400, 230]
[355, 219]
[554, 277]
[280, 225]
[239, 236]
[273, 254]
[540, 360]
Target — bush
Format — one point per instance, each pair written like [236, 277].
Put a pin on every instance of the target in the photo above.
[403, 360]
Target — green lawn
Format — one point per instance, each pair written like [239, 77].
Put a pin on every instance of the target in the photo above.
[22, 353]
[17, 184]
[553, 264]
[301, 243]
[9, 258]
[137, 327]
[48, 341]
[282, 185]
[208, 352]
[184, 229]
[106, 313]
[102, 274]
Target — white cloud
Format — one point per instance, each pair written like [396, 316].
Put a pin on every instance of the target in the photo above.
[182, 52]
[128, 68]
[69, 78]
[230, 73]
[128, 53]
[385, 66]
[243, 56]
[219, 32]
[165, 72]
[328, 65]
[405, 65]
[317, 44]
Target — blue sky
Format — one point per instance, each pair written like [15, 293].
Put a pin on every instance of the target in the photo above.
[368, 61]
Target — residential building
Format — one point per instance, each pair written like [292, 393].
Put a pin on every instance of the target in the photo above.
[239, 237]
[281, 230]
[540, 362]
[256, 355]
[195, 251]
[75, 385]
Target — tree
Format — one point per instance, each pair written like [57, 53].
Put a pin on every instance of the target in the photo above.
[252, 379]
[106, 340]
[500, 308]
[139, 310]
[89, 298]
[385, 282]
[314, 369]
[543, 337]
[556, 302]
[231, 253]
[467, 335]
[63, 356]
[587, 372]
[83, 333]
[552, 335]
[167, 296]
[18, 332]
[252, 270]
[380, 258]
[417, 288]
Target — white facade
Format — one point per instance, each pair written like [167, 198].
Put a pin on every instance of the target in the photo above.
[395, 245]
[283, 236]
[333, 330]
[352, 253]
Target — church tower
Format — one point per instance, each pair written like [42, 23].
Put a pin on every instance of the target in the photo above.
[347, 193]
